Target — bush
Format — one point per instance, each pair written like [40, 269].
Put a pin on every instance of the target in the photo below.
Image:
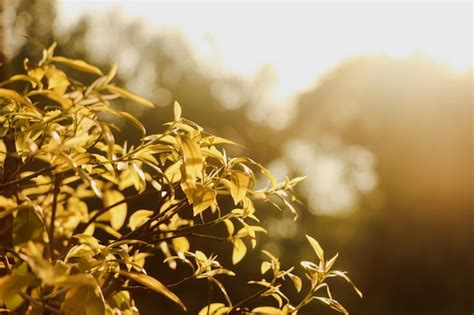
[71, 243]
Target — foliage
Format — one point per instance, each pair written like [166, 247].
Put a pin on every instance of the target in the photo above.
[71, 242]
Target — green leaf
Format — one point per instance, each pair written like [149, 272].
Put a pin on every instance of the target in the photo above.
[27, 226]
[77, 64]
[153, 284]
[129, 95]
[316, 247]
[83, 300]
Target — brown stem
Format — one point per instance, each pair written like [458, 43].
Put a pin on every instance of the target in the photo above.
[57, 186]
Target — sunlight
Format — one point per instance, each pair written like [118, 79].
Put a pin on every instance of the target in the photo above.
[301, 41]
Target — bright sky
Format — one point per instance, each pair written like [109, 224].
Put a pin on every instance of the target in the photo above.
[301, 41]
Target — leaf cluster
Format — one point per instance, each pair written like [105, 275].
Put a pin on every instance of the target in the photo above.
[74, 243]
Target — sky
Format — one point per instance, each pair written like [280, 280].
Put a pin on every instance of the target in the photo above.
[299, 41]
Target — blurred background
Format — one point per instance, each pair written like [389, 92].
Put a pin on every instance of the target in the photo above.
[372, 101]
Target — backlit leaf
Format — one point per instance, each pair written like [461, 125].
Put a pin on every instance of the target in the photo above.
[239, 250]
[10, 286]
[214, 309]
[117, 213]
[177, 111]
[77, 64]
[316, 247]
[267, 310]
[83, 300]
[138, 218]
[57, 80]
[203, 198]
[192, 159]
[129, 95]
[180, 244]
[153, 284]
[241, 182]
[14, 96]
[27, 226]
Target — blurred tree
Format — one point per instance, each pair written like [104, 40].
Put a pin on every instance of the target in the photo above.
[415, 116]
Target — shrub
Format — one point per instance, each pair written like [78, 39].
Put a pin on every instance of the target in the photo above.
[71, 243]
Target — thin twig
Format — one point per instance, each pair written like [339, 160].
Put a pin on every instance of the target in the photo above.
[57, 184]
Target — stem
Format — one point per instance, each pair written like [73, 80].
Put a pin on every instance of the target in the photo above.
[19, 180]
[249, 298]
[57, 184]
[42, 304]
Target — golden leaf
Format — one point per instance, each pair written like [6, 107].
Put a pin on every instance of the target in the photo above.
[153, 284]
[118, 213]
[316, 247]
[14, 96]
[129, 95]
[138, 218]
[77, 64]
[203, 198]
[83, 300]
[177, 111]
[241, 182]
[239, 250]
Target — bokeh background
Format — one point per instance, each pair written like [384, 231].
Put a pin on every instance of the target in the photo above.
[372, 101]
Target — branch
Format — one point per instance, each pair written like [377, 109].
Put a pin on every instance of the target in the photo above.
[57, 184]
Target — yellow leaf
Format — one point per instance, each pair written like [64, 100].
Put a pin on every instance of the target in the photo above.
[265, 266]
[138, 218]
[173, 173]
[230, 226]
[83, 300]
[129, 117]
[241, 182]
[36, 73]
[203, 198]
[180, 244]
[57, 80]
[77, 64]
[153, 284]
[316, 247]
[3, 153]
[267, 310]
[296, 281]
[27, 226]
[177, 111]
[192, 158]
[214, 309]
[129, 95]
[10, 286]
[14, 96]
[23, 77]
[52, 95]
[239, 250]
[117, 213]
